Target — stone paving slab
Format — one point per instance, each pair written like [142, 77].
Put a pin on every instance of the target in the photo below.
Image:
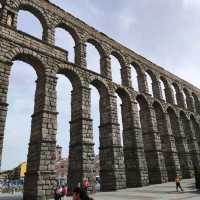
[165, 191]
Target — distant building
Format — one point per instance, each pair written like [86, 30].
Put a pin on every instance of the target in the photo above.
[61, 169]
[18, 173]
[61, 166]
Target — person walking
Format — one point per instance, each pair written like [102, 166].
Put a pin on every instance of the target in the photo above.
[178, 183]
[64, 191]
[79, 194]
[86, 184]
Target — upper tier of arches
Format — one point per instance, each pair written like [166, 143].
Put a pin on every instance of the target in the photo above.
[160, 84]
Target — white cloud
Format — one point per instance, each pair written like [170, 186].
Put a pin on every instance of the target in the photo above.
[191, 4]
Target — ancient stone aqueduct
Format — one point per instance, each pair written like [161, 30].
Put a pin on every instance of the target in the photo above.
[160, 141]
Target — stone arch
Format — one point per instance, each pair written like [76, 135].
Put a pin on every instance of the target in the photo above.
[129, 141]
[123, 93]
[189, 100]
[29, 57]
[151, 141]
[157, 104]
[170, 109]
[186, 97]
[153, 84]
[179, 95]
[116, 71]
[119, 57]
[73, 76]
[191, 139]
[168, 91]
[98, 46]
[196, 128]
[136, 66]
[181, 143]
[101, 86]
[94, 50]
[142, 100]
[196, 102]
[70, 30]
[136, 73]
[110, 145]
[37, 12]
[167, 142]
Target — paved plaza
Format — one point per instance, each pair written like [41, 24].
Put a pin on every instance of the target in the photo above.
[154, 192]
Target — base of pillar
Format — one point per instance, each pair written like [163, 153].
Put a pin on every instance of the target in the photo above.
[157, 177]
[136, 178]
[112, 181]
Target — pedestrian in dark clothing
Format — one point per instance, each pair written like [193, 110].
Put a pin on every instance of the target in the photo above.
[79, 194]
[58, 193]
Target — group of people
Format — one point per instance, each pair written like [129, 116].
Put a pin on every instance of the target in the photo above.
[60, 191]
[79, 193]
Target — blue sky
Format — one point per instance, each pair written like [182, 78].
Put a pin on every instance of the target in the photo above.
[166, 32]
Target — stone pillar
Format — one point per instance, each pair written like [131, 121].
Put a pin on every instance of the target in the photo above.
[169, 150]
[135, 161]
[80, 55]
[105, 63]
[169, 94]
[152, 146]
[190, 102]
[81, 152]
[49, 36]
[157, 91]
[192, 143]
[126, 76]
[180, 98]
[4, 81]
[142, 83]
[40, 176]
[182, 147]
[112, 168]
[197, 104]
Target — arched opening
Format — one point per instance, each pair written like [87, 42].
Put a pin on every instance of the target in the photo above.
[149, 82]
[174, 94]
[93, 57]
[95, 116]
[116, 68]
[181, 145]
[129, 139]
[196, 129]
[196, 103]
[134, 76]
[189, 133]
[99, 102]
[21, 93]
[25, 18]
[64, 40]
[186, 98]
[157, 171]
[108, 135]
[167, 143]
[64, 89]
[163, 89]
[119, 115]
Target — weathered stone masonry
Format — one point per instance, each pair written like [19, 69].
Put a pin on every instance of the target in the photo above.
[160, 140]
